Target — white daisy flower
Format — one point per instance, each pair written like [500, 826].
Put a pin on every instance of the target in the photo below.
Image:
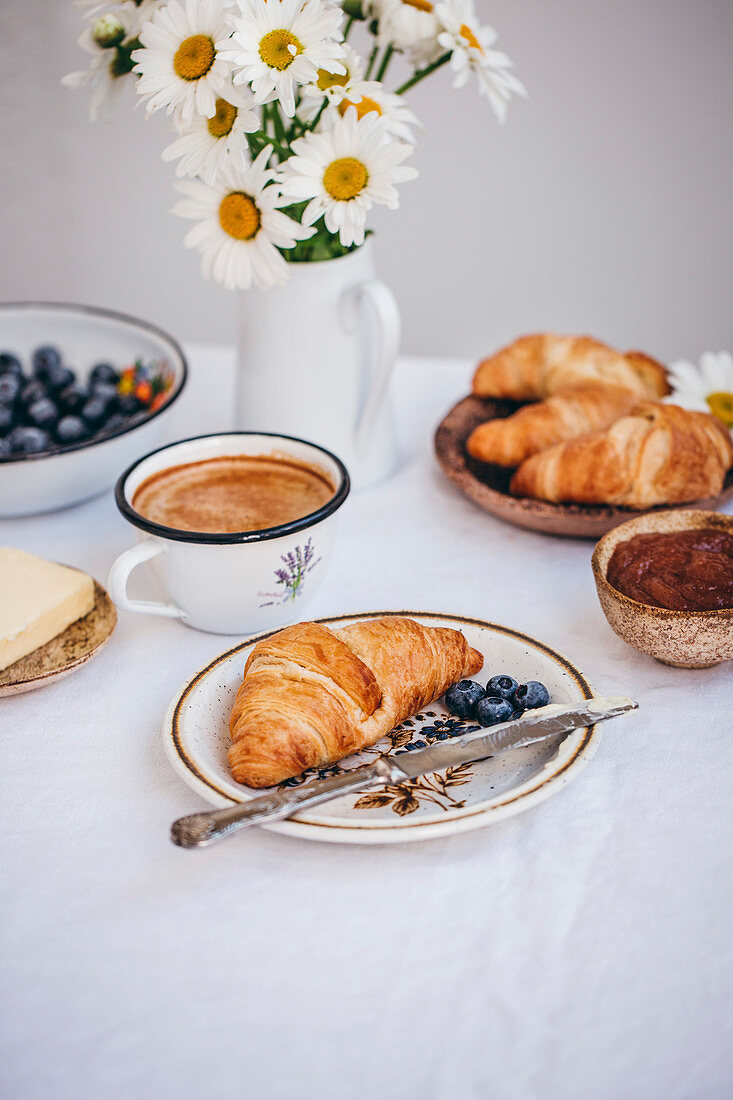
[279, 45]
[344, 172]
[181, 67]
[469, 45]
[707, 388]
[336, 86]
[104, 76]
[408, 25]
[134, 13]
[206, 142]
[373, 98]
[239, 226]
[350, 89]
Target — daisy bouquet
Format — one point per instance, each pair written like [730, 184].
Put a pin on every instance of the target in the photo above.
[286, 135]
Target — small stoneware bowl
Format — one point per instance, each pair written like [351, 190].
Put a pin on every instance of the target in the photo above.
[685, 639]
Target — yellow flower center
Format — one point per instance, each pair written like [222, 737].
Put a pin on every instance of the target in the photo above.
[331, 80]
[221, 124]
[194, 57]
[239, 216]
[421, 5]
[345, 178]
[278, 49]
[467, 33]
[363, 107]
[721, 405]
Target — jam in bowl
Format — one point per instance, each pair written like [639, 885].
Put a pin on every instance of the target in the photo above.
[665, 584]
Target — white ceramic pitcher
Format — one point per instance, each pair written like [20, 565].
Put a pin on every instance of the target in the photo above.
[315, 360]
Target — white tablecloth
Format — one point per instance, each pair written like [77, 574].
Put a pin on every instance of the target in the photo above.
[582, 949]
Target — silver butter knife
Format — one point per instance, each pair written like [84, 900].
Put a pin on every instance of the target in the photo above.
[199, 830]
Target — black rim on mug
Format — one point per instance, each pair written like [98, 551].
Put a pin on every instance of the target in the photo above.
[218, 539]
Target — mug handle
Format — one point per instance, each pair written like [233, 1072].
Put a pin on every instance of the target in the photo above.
[119, 575]
[381, 302]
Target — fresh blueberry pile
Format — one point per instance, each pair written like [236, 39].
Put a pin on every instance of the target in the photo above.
[47, 408]
[503, 698]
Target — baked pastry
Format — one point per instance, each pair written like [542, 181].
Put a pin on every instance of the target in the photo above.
[535, 367]
[661, 454]
[312, 695]
[577, 410]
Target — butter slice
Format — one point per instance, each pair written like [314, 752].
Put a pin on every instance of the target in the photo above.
[38, 599]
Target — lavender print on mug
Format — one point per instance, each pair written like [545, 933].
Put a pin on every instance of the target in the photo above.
[296, 566]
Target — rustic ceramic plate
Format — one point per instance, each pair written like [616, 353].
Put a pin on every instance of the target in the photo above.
[196, 736]
[66, 652]
[488, 486]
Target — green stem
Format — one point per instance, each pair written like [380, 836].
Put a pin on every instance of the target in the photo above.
[347, 28]
[370, 63]
[422, 73]
[264, 139]
[278, 124]
[385, 62]
[319, 112]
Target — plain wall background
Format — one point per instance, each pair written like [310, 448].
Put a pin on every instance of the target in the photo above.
[603, 205]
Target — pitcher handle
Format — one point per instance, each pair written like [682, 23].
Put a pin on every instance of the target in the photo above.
[120, 572]
[380, 300]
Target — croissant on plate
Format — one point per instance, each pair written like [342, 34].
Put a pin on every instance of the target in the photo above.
[535, 367]
[312, 695]
[577, 410]
[661, 454]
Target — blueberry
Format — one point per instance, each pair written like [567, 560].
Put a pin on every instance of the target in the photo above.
[32, 391]
[117, 420]
[73, 398]
[103, 372]
[503, 686]
[10, 387]
[531, 695]
[494, 709]
[43, 414]
[28, 441]
[107, 392]
[71, 429]
[5, 448]
[44, 359]
[10, 364]
[128, 404]
[95, 411]
[7, 418]
[58, 378]
[461, 699]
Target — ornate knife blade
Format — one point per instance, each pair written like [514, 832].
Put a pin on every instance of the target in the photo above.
[201, 829]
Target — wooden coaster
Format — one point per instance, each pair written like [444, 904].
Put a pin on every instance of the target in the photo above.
[66, 652]
[488, 486]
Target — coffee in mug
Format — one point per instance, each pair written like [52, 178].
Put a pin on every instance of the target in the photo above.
[232, 493]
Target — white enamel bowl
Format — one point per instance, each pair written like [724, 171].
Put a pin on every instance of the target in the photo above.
[84, 335]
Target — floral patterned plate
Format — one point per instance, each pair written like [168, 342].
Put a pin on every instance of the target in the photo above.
[468, 796]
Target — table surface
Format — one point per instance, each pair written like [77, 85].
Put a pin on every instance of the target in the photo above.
[582, 949]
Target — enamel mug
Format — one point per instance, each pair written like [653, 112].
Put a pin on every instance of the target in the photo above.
[240, 583]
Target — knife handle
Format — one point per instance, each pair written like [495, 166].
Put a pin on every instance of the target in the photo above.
[200, 830]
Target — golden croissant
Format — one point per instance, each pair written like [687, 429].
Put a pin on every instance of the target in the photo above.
[577, 410]
[661, 454]
[535, 367]
[312, 695]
